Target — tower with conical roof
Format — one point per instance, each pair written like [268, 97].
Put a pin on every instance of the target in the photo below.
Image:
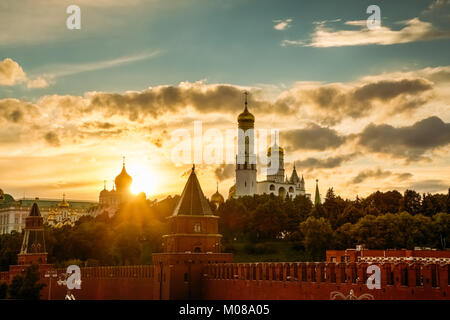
[33, 244]
[246, 158]
[193, 241]
[193, 227]
[317, 200]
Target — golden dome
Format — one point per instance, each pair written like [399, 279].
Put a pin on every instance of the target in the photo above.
[275, 148]
[232, 191]
[217, 198]
[64, 203]
[123, 180]
[246, 116]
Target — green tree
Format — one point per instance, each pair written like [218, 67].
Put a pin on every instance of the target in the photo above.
[344, 237]
[411, 202]
[317, 236]
[27, 287]
[269, 220]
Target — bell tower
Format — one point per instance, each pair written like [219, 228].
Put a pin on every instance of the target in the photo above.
[246, 157]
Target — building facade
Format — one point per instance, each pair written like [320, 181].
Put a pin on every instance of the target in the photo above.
[276, 182]
[111, 200]
[54, 212]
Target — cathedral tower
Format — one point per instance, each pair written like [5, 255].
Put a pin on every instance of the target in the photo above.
[246, 158]
[275, 173]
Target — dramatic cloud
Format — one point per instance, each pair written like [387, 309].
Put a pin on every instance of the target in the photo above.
[52, 139]
[17, 111]
[327, 163]
[409, 142]
[11, 73]
[330, 103]
[282, 24]
[414, 30]
[432, 185]
[378, 174]
[313, 137]
[37, 83]
[224, 172]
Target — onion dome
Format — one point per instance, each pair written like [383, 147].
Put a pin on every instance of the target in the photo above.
[217, 198]
[64, 203]
[123, 180]
[232, 191]
[275, 148]
[246, 117]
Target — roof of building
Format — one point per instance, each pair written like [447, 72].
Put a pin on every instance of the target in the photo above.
[192, 200]
[35, 211]
[294, 177]
[123, 179]
[217, 197]
[246, 116]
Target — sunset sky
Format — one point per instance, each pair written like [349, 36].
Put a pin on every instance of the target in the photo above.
[360, 110]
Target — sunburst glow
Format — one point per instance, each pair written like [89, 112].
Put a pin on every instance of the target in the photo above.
[144, 179]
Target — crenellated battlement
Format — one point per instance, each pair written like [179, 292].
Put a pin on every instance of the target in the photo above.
[316, 280]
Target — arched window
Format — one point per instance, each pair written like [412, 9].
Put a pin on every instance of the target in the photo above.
[291, 190]
[197, 249]
[272, 187]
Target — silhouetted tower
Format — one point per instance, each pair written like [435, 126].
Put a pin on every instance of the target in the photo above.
[33, 245]
[317, 200]
[192, 243]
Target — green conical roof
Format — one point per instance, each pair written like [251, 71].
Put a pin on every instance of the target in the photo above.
[317, 199]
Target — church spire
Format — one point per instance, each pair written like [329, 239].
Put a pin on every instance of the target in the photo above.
[317, 200]
[246, 96]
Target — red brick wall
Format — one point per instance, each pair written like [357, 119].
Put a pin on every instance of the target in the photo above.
[299, 281]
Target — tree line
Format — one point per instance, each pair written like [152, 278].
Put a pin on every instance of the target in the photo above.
[382, 220]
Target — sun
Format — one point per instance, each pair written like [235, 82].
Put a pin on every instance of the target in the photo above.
[144, 179]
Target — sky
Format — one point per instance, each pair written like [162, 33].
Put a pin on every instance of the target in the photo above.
[359, 109]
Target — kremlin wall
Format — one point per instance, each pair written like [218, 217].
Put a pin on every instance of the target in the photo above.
[193, 267]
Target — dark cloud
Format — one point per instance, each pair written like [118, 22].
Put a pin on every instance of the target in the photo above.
[313, 137]
[162, 99]
[327, 163]
[97, 125]
[379, 174]
[432, 185]
[386, 90]
[52, 139]
[333, 102]
[224, 172]
[409, 142]
[16, 111]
